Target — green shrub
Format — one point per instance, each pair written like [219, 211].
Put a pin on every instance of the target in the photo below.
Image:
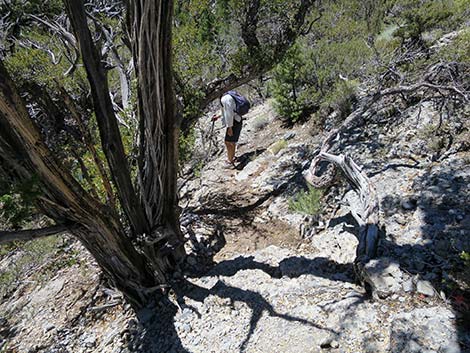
[17, 204]
[310, 76]
[278, 146]
[260, 122]
[342, 98]
[417, 17]
[287, 85]
[307, 202]
[186, 145]
[465, 256]
[458, 50]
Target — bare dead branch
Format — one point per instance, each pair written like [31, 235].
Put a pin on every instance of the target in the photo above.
[30, 234]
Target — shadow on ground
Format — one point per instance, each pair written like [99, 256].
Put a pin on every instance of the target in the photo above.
[433, 248]
[159, 331]
[245, 158]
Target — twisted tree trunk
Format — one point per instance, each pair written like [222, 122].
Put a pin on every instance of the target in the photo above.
[137, 258]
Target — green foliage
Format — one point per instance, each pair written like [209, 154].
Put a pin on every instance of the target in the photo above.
[415, 17]
[309, 77]
[342, 97]
[17, 204]
[186, 145]
[28, 65]
[459, 50]
[17, 8]
[465, 256]
[289, 77]
[307, 202]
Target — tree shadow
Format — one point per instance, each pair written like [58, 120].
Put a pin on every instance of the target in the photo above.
[255, 301]
[292, 267]
[158, 331]
[6, 332]
[247, 157]
[435, 232]
[154, 329]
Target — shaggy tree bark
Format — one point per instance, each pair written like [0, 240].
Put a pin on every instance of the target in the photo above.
[137, 260]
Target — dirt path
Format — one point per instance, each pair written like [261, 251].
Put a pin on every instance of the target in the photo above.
[231, 200]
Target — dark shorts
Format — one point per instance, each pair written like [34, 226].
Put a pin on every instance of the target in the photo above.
[236, 128]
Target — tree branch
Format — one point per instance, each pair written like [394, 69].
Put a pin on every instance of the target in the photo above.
[30, 234]
[107, 123]
[290, 31]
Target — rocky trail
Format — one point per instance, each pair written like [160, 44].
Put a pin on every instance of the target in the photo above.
[262, 278]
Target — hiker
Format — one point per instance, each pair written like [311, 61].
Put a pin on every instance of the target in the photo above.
[234, 106]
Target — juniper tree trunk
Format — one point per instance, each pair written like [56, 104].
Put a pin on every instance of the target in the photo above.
[150, 25]
[137, 258]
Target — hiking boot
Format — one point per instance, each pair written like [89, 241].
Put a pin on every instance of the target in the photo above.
[229, 165]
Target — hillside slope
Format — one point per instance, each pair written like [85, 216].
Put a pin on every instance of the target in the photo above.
[261, 277]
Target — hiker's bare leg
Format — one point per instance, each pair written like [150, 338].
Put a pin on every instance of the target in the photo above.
[230, 150]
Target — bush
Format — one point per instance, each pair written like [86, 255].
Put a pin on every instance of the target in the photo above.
[415, 17]
[307, 202]
[459, 50]
[310, 75]
[186, 142]
[17, 204]
[260, 122]
[342, 98]
[288, 86]
[278, 146]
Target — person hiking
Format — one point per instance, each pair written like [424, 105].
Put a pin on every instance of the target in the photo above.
[234, 106]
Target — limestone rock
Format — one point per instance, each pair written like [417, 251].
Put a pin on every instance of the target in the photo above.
[384, 276]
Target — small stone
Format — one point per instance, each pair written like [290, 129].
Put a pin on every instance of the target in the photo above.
[49, 327]
[191, 261]
[89, 341]
[408, 204]
[443, 295]
[459, 217]
[408, 285]
[425, 287]
[452, 347]
[289, 135]
[384, 276]
[334, 344]
[401, 299]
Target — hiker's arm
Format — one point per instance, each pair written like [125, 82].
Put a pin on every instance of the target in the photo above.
[229, 131]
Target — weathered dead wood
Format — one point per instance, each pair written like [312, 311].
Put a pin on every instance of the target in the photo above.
[30, 234]
[367, 214]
